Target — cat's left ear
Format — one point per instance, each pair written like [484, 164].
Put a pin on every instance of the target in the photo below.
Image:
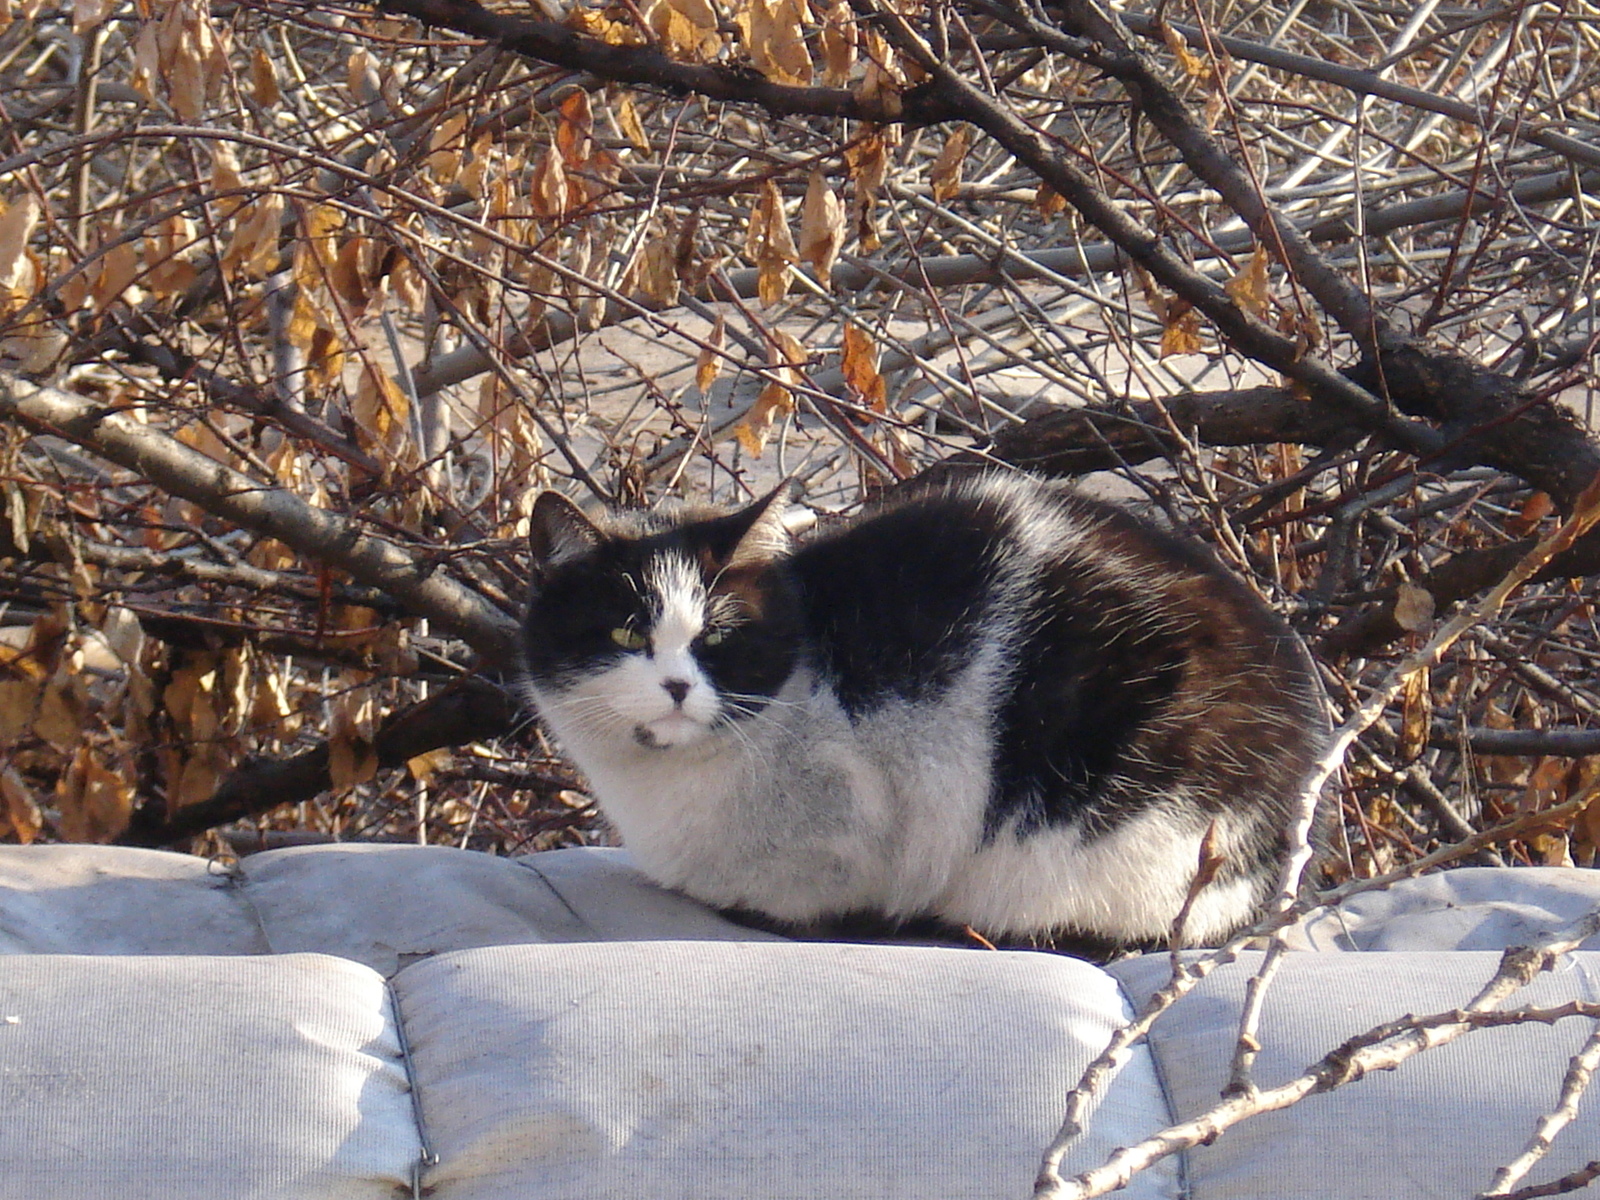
[558, 530]
[762, 536]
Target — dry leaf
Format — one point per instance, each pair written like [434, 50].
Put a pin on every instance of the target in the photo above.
[380, 411]
[1248, 288]
[1416, 715]
[1413, 607]
[264, 79]
[838, 42]
[253, 251]
[776, 399]
[1534, 510]
[775, 39]
[709, 362]
[17, 223]
[1048, 201]
[821, 228]
[22, 811]
[1190, 63]
[424, 765]
[770, 245]
[94, 801]
[868, 162]
[657, 272]
[549, 192]
[628, 123]
[1180, 330]
[575, 129]
[860, 367]
[119, 267]
[945, 174]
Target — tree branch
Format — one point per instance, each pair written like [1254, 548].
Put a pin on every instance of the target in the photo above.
[264, 508]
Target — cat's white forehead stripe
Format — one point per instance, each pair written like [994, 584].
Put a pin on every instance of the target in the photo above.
[681, 593]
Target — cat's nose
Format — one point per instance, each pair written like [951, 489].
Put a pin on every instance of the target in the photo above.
[676, 688]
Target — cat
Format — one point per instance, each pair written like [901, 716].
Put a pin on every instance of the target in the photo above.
[993, 704]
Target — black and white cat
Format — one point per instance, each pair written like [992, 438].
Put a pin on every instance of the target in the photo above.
[996, 704]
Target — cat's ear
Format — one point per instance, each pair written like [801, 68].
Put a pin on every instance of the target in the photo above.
[557, 531]
[762, 535]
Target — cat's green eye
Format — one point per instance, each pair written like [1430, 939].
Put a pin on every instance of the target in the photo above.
[714, 637]
[629, 639]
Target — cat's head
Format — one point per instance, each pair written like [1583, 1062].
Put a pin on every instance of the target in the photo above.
[655, 630]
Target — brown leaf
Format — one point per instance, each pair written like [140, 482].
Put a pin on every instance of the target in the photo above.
[945, 175]
[838, 42]
[1249, 288]
[860, 367]
[1534, 510]
[575, 129]
[821, 228]
[1190, 63]
[264, 79]
[1180, 330]
[657, 272]
[94, 801]
[709, 363]
[1048, 201]
[380, 411]
[628, 123]
[22, 811]
[775, 40]
[770, 245]
[17, 222]
[1416, 715]
[868, 162]
[550, 192]
[253, 251]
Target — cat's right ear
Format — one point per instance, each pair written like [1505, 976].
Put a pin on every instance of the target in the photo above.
[558, 531]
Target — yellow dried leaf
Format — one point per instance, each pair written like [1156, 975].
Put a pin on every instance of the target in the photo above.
[22, 811]
[769, 243]
[1416, 715]
[549, 191]
[821, 228]
[17, 223]
[86, 14]
[838, 42]
[192, 57]
[709, 362]
[18, 699]
[1413, 607]
[628, 123]
[755, 426]
[424, 765]
[1180, 331]
[352, 758]
[774, 37]
[380, 410]
[349, 275]
[94, 801]
[264, 79]
[1249, 288]
[859, 364]
[1534, 509]
[1190, 63]
[945, 175]
[576, 127]
[1048, 201]
[253, 250]
[168, 271]
[657, 272]
[119, 267]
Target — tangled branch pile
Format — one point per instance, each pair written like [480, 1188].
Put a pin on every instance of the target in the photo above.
[300, 306]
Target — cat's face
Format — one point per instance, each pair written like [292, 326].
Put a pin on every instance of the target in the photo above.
[661, 636]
